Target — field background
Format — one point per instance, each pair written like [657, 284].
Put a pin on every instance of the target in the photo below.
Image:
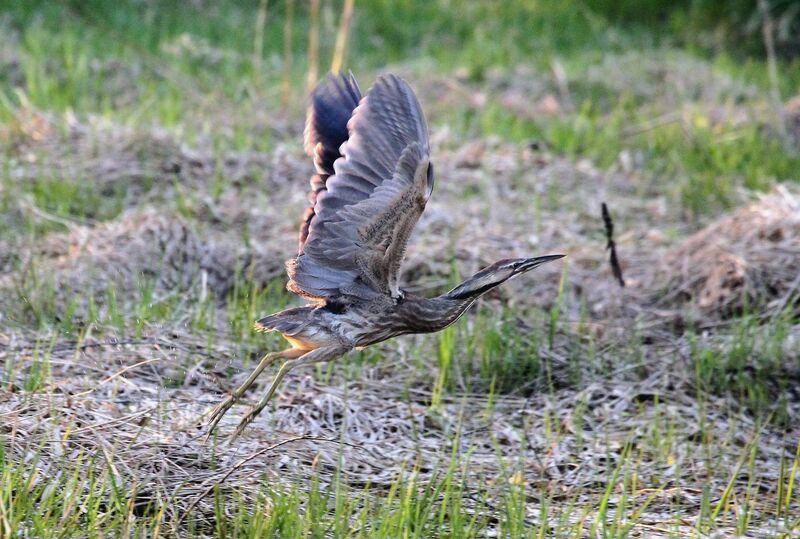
[151, 182]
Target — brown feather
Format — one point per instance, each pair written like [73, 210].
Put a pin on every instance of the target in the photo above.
[354, 239]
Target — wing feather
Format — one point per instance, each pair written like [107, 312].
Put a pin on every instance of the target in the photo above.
[369, 206]
[332, 105]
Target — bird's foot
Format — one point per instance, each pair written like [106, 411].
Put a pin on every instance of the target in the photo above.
[218, 413]
[246, 420]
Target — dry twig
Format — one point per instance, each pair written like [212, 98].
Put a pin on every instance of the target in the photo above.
[258, 40]
[244, 461]
[341, 37]
[611, 246]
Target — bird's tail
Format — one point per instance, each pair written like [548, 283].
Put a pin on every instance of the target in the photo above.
[288, 322]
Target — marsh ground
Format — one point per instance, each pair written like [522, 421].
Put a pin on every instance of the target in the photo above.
[152, 179]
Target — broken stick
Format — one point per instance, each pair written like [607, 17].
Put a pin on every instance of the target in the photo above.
[611, 246]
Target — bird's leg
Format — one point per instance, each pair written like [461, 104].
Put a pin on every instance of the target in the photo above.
[315, 356]
[222, 408]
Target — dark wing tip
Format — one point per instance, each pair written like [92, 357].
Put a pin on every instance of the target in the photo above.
[332, 104]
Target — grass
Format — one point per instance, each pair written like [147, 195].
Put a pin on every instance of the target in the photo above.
[747, 367]
[450, 504]
[592, 439]
[89, 58]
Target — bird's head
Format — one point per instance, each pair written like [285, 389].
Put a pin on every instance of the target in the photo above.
[496, 274]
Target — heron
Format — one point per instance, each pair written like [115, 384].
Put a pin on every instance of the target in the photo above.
[373, 178]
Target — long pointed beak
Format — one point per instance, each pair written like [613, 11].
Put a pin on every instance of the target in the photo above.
[530, 263]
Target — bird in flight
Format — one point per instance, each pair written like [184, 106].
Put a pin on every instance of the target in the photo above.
[373, 178]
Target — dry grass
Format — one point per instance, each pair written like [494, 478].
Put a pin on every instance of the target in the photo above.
[666, 408]
[750, 258]
[136, 402]
[151, 179]
[121, 402]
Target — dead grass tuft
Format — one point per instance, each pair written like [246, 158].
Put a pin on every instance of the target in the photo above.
[142, 249]
[747, 259]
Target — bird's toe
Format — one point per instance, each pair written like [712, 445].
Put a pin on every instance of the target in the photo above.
[246, 420]
[217, 413]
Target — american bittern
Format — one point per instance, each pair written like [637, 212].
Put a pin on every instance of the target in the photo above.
[374, 176]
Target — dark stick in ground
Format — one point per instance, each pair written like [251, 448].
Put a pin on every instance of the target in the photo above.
[615, 267]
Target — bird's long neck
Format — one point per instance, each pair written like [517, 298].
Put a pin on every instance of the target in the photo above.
[423, 315]
[428, 315]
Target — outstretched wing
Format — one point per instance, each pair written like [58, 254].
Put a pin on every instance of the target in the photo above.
[367, 210]
[332, 105]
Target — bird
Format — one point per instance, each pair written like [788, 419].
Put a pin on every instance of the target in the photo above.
[373, 177]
